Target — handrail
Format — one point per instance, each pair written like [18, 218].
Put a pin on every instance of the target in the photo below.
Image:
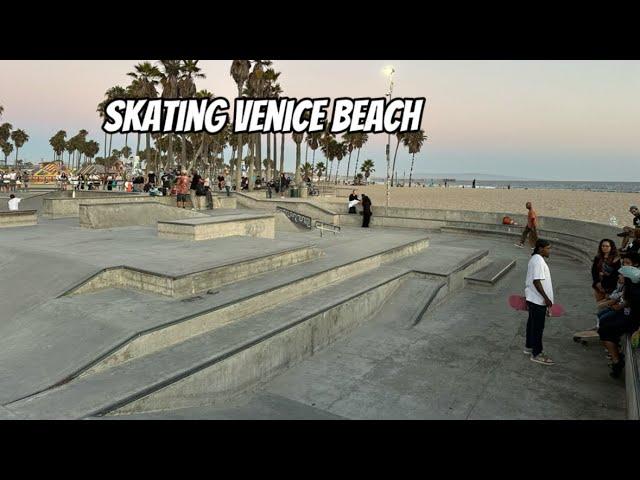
[327, 226]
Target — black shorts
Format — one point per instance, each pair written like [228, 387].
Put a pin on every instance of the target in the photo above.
[182, 197]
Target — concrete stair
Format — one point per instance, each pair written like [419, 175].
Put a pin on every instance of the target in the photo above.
[492, 273]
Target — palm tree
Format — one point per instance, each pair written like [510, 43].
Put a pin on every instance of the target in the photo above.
[240, 73]
[6, 148]
[360, 140]
[189, 71]
[326, 138]
[57, 142]
[169, 76]
[111, 94]
[341, 152]
[5, 134]
[350, 140]
[413, 141]
[313, 141]
[306, 169]
[19, 138]
[399, 137]
[367, 169]
[91, 148]
[320, 169]
[147, 77]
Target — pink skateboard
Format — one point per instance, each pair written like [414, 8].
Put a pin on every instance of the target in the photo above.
[518, 302]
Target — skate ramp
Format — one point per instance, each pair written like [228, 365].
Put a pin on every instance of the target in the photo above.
[111, 215]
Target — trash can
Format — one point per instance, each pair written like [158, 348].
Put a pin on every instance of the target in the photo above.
[294, 192]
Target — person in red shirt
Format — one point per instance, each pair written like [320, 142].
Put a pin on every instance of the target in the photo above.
[531, 228]
[182, 188]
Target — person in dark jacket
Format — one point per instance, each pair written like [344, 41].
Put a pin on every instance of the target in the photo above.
[366, 210]
[604, 270]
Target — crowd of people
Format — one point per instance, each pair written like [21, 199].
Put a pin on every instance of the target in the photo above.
[615, 278]
[13, 180]
[615, 285]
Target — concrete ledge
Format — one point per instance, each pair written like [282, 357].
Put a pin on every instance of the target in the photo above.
[493, 272]
[300, 206]
[193, 282]
[632, 380]
[54, 206]
[110, 215]
[252, 225]
[20, 218]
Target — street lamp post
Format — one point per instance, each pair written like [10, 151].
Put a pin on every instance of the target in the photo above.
[389, 71]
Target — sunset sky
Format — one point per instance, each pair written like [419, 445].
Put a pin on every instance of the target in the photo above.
[557, 120]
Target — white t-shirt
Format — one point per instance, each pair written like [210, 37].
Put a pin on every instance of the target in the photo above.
[537, 269]
[13, 203]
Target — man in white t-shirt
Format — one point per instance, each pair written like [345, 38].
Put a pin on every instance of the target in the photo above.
[539, 294]
[13, 202]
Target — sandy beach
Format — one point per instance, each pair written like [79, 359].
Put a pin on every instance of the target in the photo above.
[574, 204]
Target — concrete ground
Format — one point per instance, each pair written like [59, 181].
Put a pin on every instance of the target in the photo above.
[464, 360]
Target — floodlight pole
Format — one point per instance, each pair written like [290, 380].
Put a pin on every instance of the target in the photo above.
[389, 144]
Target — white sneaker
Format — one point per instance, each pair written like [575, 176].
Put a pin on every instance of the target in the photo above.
[518, 245]
[527, 351]
[542, 359]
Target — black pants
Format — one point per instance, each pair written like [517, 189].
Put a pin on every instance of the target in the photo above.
[365, 219]
[535, 327]
[352, 210]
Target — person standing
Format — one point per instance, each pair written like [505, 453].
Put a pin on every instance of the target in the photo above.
[182, 189]
[539, 294]
[366, 211]
[531, 228]
[193, 190]
[630, 233]
[473, 185]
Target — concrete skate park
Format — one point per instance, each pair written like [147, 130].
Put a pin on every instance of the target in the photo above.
[122, 306]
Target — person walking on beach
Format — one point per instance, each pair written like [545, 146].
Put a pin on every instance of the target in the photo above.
[531, 228]
[366, 211]
[539, 294]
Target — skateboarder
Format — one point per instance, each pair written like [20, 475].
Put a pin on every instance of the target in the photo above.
[539, 294]
[531, 228]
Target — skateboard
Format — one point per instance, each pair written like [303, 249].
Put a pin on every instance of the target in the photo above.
[586, 337]
[518, 302]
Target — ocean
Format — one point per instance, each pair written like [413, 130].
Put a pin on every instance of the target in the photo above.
[624, 187]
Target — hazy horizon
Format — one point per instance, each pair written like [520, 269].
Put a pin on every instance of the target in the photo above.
[546, 120]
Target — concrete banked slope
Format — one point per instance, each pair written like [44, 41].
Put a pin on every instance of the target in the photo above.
[244, 333]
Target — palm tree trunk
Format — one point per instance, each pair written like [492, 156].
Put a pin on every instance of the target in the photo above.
[259, 155]
[282, 154]
[184, 151]
[252, 163]
[313, 159]
[411, 171]
[138, 146]
[147, 154]
[268, 174]
[17, 148]
[393, 168]
[349, 164]
[110, 139]
[298, 158]
[355, 172]
[306, 152]
[275, 156]
[170, 151]
[105, 145]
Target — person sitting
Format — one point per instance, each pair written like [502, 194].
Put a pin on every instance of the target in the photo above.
[626, 320]
[353, 201]
[13, 203]
[604, 269]
[631, 233]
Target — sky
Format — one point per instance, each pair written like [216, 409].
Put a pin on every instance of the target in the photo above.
[554, 120]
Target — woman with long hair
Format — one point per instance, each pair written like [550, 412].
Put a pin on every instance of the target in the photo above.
[604, 271]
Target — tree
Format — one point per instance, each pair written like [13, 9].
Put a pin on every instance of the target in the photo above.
[189, 71]
[57, 143]
[91, 148]
[6, 148]
[360, 140]
[112, 94]
[313, 142]
[340, 153]
[320, 169]
[399, 137]
[147, 77]
[350, 141]
[297, 138]
[240, 73]
[169, 76]
[306, 170]
[367, 169]
[325, 142]
[413, 141]
[5, 134]
[19, 138]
